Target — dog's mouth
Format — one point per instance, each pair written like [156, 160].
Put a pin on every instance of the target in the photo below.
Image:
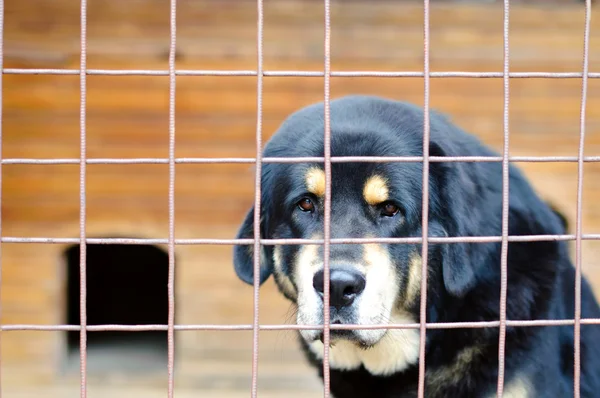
[337, 335]
[366, 309]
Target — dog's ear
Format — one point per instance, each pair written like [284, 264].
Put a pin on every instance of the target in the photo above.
[458, 269]
[561, 216]
[243, 255]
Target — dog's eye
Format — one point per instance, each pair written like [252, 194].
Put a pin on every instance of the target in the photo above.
[389, 209]
[306, 205]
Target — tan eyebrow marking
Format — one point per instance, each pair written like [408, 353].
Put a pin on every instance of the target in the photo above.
[376, 190]
[315, 181]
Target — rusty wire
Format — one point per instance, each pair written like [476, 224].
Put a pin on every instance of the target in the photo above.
[425, 201]
[279, 327]
[327, 201]
[578, 227]
[171, 242]
[505, 205]
[257, 195]
[297, 73]
[334, 159]
[1, 107]
[293, 241]
[82, 203]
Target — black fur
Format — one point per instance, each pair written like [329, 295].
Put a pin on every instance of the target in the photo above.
[464, 281]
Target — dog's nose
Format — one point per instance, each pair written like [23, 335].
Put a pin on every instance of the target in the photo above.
[345, 285]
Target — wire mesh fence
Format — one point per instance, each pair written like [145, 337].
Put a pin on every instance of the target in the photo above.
[260, 73]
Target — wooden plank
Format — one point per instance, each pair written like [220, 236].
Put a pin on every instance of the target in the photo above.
[141, 30]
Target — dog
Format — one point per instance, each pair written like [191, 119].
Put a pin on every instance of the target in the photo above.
[378, 283]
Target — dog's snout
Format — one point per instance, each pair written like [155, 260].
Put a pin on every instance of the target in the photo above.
[345, 285]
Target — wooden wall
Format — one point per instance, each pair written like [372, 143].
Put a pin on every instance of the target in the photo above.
[127, 116]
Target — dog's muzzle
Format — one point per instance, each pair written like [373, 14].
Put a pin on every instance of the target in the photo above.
[345, 287]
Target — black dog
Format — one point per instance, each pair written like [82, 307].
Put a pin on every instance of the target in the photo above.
[380, 283]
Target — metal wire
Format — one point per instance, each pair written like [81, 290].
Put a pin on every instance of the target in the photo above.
[327, 201]
[278, 327]
[333, 241]
[82, 203]
[425, 203]
[1, 109]
[299, 73]
[334, 159]
[298, 241]
[578, 226]
[505, 206]
[257, 194]
[171, 242]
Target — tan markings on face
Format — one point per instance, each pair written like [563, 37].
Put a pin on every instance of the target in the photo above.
[375, 254]
[376, 190]
[315, 181]
[282, 279]
[413, 284]
[378, 304]
[307, 263]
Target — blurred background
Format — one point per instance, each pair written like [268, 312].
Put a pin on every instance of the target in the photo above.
[127, 117]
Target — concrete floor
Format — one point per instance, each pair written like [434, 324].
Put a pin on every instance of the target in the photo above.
[108, 392]
[117, 371]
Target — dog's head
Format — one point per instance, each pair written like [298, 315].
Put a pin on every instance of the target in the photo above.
[369, 283]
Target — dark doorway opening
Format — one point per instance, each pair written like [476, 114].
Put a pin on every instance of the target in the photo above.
[126, 285]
